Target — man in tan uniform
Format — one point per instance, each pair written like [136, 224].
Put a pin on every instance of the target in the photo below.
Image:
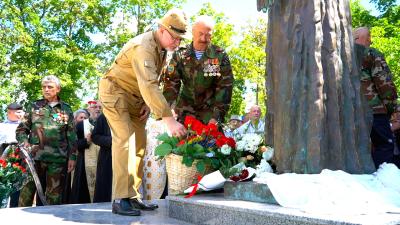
[130, 84]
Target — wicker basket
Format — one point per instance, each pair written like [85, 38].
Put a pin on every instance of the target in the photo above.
[180, 177]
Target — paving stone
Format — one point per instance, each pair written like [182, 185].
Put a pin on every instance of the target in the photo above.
[97, 213]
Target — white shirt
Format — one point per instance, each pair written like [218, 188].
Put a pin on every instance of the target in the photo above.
[249, 128]
[7, 131]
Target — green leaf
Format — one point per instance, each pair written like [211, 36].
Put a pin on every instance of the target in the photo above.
[163, 149]
[187, 160]
[198, 148]
[201, 167]
[163, 137]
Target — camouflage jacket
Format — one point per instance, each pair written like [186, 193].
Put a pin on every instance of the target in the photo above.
[51, 129]
[206, 90]
[376, 81]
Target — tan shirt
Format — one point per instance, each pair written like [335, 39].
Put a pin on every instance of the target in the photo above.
[136, 69]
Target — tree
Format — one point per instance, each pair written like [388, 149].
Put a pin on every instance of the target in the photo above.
[248, 60]
[41, 37]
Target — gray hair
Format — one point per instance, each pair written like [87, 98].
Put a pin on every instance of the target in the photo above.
[51, 78]
[359, 31]
[206, 20]
[79, 111]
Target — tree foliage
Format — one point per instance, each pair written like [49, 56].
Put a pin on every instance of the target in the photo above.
[249, 60]
[39, 38]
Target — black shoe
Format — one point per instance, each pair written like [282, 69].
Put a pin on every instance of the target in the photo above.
[124, 207]
[139, 204]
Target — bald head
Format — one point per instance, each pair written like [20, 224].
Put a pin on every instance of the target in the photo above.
[362, 36]
[255, 112]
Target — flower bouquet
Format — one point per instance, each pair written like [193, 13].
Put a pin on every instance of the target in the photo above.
[13, 174]
[203, 143]
[202, 150]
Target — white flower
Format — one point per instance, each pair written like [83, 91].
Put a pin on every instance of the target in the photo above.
[225, 149]
[240, 145]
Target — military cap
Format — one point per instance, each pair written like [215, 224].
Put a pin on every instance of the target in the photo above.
[14, 106]
[175, 21]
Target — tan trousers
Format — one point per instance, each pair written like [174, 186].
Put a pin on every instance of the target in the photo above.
[122, 111]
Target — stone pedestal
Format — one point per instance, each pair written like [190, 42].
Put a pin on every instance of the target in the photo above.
[248, 191]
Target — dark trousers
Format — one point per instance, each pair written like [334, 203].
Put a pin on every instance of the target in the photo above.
[382, 140]
[14, 199]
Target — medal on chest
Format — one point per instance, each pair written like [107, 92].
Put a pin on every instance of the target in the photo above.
[211, 68]
[60, 117]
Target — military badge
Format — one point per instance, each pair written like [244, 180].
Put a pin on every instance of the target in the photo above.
[170, 69]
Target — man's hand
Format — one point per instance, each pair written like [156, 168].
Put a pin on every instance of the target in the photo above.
[89, 138]
[176, 128]
[71, 165]
[144, 112]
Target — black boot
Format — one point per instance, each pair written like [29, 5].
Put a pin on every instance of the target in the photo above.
[139, 204]
[124, 207]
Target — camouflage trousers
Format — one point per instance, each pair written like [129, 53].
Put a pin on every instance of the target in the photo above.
[52, 178]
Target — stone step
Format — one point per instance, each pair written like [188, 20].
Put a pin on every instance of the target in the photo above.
[215, 209]
[90, 214]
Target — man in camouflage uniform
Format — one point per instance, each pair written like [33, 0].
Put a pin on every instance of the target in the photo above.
[205, 73]
[380, 92]
[48, 130]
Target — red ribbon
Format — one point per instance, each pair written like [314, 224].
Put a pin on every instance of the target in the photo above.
[195, 187]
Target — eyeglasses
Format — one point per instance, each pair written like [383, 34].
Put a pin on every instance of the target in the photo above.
[174, 39]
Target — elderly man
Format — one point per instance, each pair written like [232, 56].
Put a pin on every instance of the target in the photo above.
[379, 90]
[254, 125]
[130, 84]
[234, 122]
[48, 130]
[94, 109]
[205, 74]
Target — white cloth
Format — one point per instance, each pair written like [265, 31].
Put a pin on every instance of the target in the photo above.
[155, 174]
[337, 192]
[7, 132]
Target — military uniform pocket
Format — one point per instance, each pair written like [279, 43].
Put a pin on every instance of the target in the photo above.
[114, 107]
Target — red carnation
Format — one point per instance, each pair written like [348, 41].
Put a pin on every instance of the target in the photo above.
[181, 142]
[231, 142]
[244, 174]
[3, 163]
[234, 178]
[189, 121]
[221, 141]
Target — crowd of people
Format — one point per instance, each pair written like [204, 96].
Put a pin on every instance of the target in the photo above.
[101, 153]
